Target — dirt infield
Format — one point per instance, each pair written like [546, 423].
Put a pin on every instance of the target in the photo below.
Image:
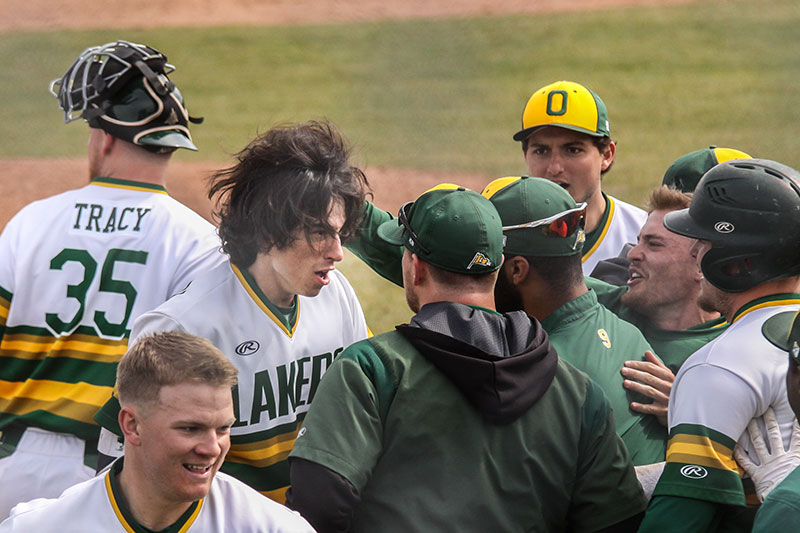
[26, 180]
[55, 14]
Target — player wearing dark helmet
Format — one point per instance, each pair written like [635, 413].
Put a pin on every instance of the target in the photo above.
[123, 89]
[745, 215]
[77, 268]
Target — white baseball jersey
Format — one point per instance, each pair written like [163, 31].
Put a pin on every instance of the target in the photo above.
[716, 393]
[620, 225]
[280, 361]
[95, 506]
[75, 270]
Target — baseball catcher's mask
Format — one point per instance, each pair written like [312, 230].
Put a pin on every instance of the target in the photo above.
[123, 88]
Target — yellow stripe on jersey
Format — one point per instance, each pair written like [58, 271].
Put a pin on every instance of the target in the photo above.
[192, 517]
[4, 305]
[773, 303]
[277, 495]
[115, 506]
[53, 391]
[593, 249]
[264, 452]
[128, 187]
[126, 525]
[263, 307]
[85, 347]
[77, 411]
[700, 450]
[265, 456]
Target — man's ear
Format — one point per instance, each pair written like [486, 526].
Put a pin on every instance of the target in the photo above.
[516, 269]
[108, 142]
[608, 155]
[129, 422]
[698, 276]
[419, 270]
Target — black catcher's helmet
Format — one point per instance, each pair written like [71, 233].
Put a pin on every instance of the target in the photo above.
[749, 210]
[123, 88]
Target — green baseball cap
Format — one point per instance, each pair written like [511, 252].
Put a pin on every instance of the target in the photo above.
[783, 330]
[565, 104]
[540, 218]
[686, 171]
[451, 228]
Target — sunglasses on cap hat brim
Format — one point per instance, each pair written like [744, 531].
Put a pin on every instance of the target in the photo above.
[402, 216]
[559, 225]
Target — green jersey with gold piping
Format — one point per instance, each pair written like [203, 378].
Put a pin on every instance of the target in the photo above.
[75, 270]
[281, 355]
[672, 346]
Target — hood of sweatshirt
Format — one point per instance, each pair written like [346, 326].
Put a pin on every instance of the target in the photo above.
[502, 363]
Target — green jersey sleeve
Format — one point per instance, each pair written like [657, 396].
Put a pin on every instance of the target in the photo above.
[384, 258]
[604, 469]
[347, 415]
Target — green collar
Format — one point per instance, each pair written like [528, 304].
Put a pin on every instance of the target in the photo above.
[486, 309]
[570, 311]
[285, 317]
[772, 300]
[126, 517]
[115, 183]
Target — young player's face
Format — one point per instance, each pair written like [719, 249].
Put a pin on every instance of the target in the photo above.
[303, 267]
[184, 440]
[662, 271]
[570, 159]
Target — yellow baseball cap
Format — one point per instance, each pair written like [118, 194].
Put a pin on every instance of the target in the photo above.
[565, 104]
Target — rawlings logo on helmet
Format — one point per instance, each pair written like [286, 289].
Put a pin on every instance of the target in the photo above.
[724, 227]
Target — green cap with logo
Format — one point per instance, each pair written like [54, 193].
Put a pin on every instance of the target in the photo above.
[565, 104]
[451, 228]
[686, 171]
[540, 218]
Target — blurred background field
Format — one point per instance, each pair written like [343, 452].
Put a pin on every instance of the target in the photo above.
[442, 97]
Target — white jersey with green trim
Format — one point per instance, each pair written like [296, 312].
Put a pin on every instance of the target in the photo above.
[716, 393]
[280, 362]
[621, 227]
[75, 270]
[91, 506]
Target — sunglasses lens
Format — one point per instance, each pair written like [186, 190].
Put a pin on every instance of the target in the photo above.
[563, 226]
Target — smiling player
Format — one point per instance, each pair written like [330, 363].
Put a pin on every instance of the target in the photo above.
[278, 309]
[175, 391]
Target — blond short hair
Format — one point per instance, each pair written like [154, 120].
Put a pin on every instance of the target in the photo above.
[170, 358]
[664, 198]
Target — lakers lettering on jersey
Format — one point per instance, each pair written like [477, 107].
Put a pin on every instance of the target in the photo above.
[281, 356]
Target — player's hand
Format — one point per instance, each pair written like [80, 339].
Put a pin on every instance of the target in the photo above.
[775, 463]
[653, 379]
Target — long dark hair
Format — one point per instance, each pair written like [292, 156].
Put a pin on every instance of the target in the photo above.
[286, 179]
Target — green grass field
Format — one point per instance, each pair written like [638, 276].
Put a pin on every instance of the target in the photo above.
[448, 95]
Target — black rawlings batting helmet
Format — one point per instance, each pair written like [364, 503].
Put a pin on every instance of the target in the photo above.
[123, 89]
[749, 210]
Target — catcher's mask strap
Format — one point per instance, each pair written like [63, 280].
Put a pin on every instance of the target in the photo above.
[158, 83]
